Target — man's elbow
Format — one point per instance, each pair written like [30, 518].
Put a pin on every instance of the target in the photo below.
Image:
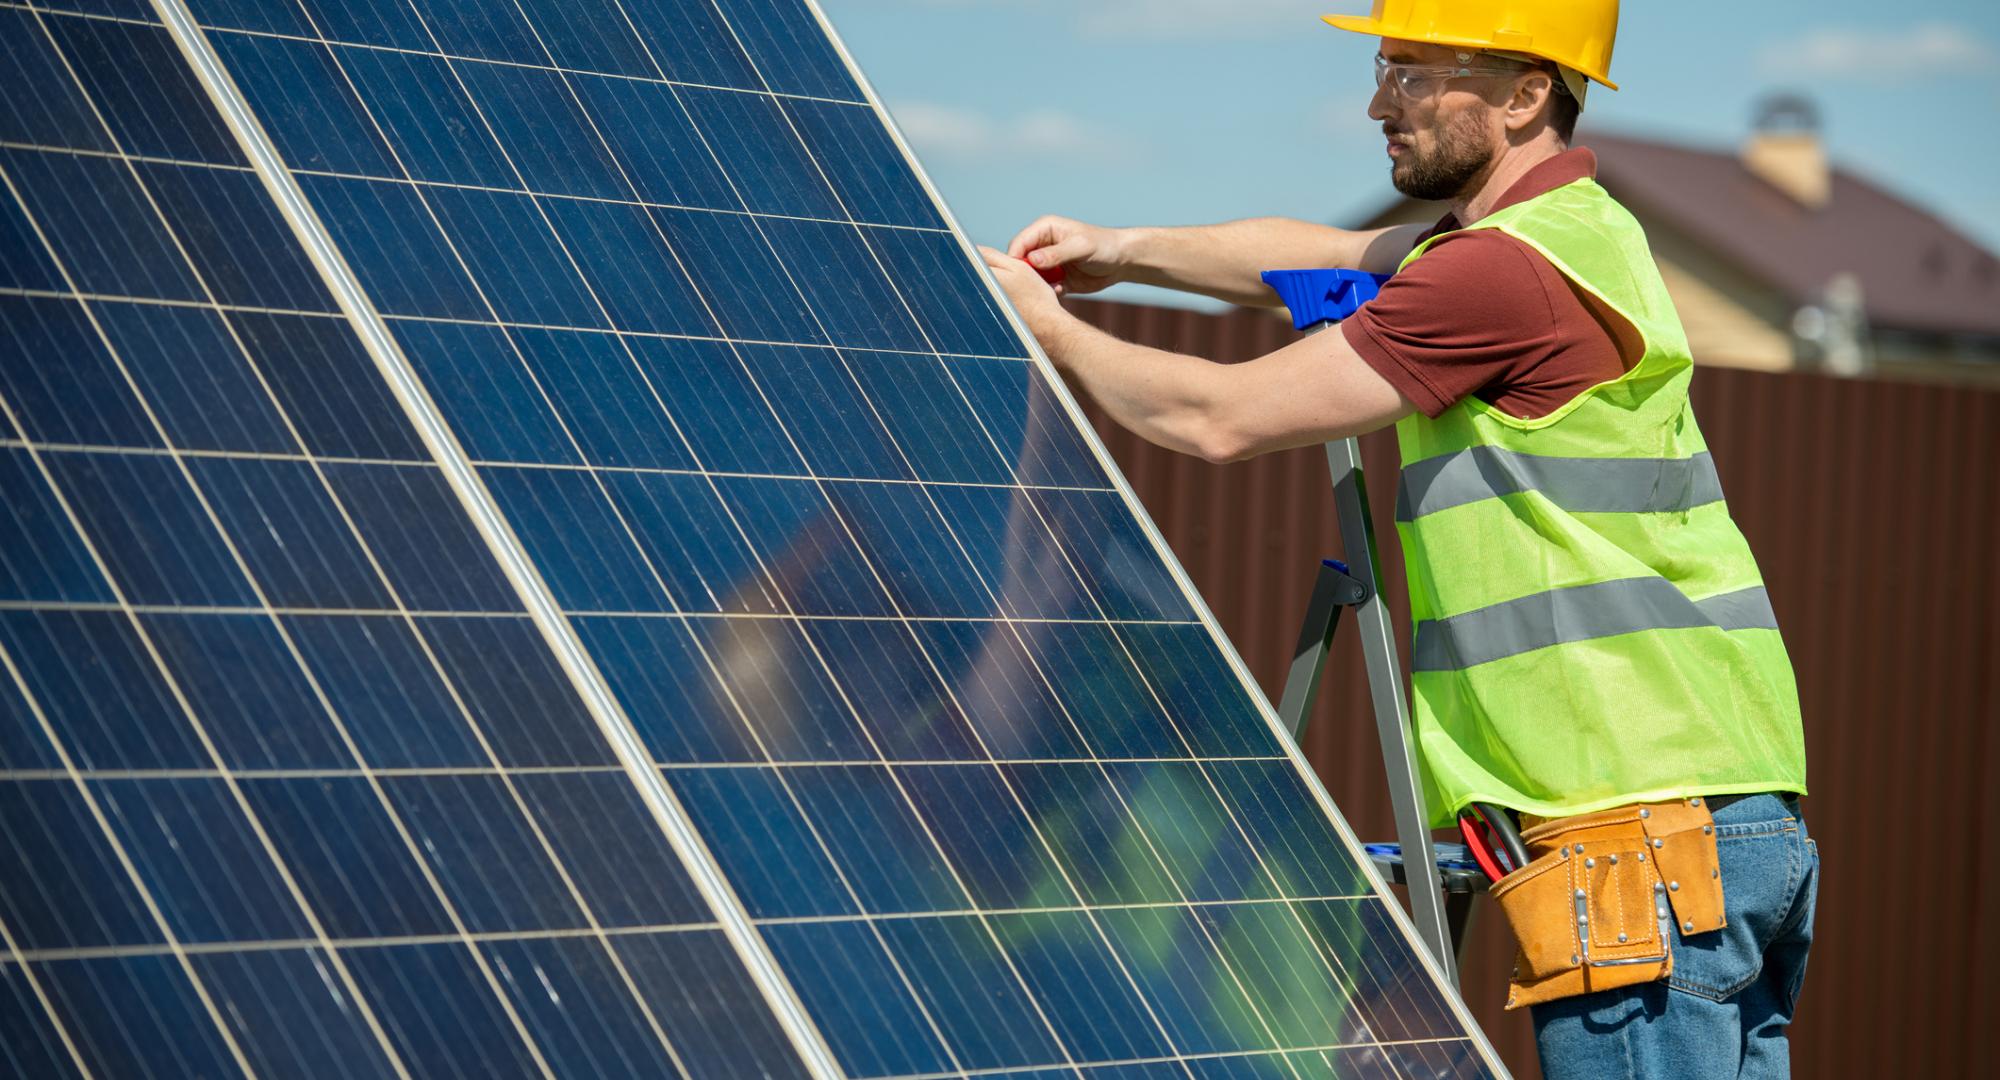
[1220, 443]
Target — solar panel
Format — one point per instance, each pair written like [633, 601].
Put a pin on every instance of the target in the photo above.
[532, 549]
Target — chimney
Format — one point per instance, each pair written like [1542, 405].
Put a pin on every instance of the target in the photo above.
[1785, 151]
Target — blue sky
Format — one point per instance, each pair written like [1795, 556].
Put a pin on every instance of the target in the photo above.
[1173, 111]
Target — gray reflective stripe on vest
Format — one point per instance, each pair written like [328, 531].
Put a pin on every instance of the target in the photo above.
[1578, 485]
[1580, 613]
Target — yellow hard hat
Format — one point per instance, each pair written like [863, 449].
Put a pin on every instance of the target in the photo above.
[1578, 34]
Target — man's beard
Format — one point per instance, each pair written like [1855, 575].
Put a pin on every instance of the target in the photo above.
[1444, 172]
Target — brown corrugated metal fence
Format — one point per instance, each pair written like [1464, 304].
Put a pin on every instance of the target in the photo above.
[1873, 508]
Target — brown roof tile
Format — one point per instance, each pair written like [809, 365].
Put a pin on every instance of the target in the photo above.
[1917, 272]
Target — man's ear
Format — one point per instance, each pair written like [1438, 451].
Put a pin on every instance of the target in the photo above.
[1530, 98]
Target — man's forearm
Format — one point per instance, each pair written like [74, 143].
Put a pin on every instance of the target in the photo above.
[1160, 396]
[1224, 261]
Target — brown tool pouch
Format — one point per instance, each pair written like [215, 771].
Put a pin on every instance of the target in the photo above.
[1597, 904]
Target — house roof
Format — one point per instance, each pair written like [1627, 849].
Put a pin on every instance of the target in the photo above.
[1917, 272]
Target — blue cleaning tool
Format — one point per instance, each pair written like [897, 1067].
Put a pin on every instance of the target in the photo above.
[1317, 296]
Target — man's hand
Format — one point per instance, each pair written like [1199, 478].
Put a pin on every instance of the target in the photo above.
[1034, 298]
[1091, 256]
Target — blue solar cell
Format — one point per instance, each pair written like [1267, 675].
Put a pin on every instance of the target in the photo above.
[573, 1000]
[143, 90]
[327, 387]
[1189, 830]
[627, 255]
[442, 1013]
[592, 37]
[691, 42]
[520, 265]
[197, 856]
[911, 547]
[145, 523]
[491, 867]
[99, 225]
[911, 713]
[24, 263]
[391, 696]
[29, 1044]
[742, 279]
[186, 361]
[317, 121]
[432, 127]
[289, 533]
[137, 1016]
[861, 160]
[1197, 995]
[289, 1015]
[839, 276]
[60, 883]
[753, 139]
[95, 683]
[469, 28]
[545, 135]
[804, 546]
[336, 835]
[988, 835]
[762, 841]
[939, 285]
[599, 830]
[873, 1024]
[934, 427]
[84, 400]
[881, 845]
[58, 113]
[255, 704]
[791, 52]
[823, 413]
[1094, 1010]
[686, 538]
[576, 538]
[655, 142]
[971, 992]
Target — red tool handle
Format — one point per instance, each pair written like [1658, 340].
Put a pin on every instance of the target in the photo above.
[1053, 274]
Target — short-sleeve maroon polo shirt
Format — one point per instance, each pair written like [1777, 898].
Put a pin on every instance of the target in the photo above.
[1483, 314]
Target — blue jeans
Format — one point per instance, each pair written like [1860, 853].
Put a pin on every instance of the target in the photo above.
[1724, 1010]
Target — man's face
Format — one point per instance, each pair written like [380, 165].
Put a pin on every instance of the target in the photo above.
[1443, 132]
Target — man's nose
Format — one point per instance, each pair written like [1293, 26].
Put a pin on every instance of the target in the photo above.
[1379, 106]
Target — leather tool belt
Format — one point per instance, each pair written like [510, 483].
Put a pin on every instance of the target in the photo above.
[1597, 904]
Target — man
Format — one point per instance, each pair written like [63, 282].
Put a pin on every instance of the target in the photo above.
[1594, 650]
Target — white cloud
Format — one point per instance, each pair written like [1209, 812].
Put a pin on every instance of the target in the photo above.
[1926, 49]
[968, 136]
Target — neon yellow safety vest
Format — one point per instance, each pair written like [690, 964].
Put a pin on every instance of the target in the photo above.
[1591, 629]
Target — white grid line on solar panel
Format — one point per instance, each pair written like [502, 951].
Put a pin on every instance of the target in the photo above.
[498, 324]
[440, 54]
[660, 581]
[198, 948]
[420, 613]
[440, 895]
[419, 771]
[147, 159]
[634, 470]
[781, 265]
[1182, 1059]
[76, 13]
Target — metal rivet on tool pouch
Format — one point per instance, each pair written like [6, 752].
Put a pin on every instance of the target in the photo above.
[1694, 802]
[1688, 926]
[1614, 860]
[1589, 863]
[1659, 843]
[1674, 885]
[1645, 813]
[1621, 939]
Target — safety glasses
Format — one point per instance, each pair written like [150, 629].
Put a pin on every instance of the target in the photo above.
[1410, 82]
